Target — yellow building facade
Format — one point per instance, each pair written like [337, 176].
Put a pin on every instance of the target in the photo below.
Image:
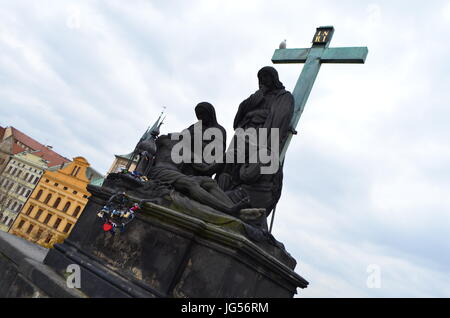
[56, 203]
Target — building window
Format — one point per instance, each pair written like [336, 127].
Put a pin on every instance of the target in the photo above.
[19, 173]
[55, 205]
[47, 198]
[26, 176]
[56, 184]
[36, 180]
[14, 205]
[76, 173]
[38, 214]
[74, 192]
[85, 196]
[38, 195]
[28, 193]
[30, 228]
[73, 171]
[46, 180]
[57, 222]
[19, 207]
[30, 208]
[9, 169]
[65, 188]
[49, 237]
[47, 218]
[76, 212]
[66, 207]
[39, 234]
[21, 223]
[10, 222]
[67, 228]
[30, 179]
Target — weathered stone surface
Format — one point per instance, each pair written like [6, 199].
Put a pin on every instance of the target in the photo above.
[167, 253]
[22, 273]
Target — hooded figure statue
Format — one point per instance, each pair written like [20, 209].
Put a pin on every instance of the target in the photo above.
[206, 115]
[269, 107]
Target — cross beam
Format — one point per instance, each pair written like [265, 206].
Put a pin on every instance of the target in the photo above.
[313, 58]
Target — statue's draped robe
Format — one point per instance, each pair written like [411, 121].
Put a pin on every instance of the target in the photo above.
[210, 112]
[272, 110]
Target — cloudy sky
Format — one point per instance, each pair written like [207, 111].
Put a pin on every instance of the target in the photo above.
[367, 180]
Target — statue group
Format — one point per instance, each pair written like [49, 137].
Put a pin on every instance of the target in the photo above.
[230, 185]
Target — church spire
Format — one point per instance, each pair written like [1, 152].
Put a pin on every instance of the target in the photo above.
[154, 130]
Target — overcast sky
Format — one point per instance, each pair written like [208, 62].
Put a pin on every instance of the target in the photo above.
[367, 179]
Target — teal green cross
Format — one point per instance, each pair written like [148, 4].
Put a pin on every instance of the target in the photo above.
[313, 58]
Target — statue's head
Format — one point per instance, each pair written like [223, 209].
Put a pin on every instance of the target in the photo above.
[206, 113]
[268, 79]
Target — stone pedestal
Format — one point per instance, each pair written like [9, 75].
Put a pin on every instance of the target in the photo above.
[168, 253]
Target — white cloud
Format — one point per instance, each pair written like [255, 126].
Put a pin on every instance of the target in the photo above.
[446, 12]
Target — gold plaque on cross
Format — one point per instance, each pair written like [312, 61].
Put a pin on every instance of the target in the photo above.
[323, 35]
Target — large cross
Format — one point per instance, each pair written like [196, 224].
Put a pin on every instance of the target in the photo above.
[313, 58]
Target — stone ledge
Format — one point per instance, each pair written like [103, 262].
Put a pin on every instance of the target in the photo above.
[23, 273]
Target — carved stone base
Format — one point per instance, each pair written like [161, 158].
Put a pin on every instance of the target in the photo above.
[168, 253]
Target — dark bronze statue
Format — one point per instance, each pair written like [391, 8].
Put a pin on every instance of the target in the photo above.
[145, 150]
[239, 188]
[200, 188]
[206, 114]
[269, 107]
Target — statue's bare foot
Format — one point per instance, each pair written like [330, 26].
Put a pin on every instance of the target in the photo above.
[252, 214]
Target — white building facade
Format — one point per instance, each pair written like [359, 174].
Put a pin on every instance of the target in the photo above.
[17, 182]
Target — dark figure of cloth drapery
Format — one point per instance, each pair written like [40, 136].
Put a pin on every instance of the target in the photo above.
[206, 115]
[269, 107]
